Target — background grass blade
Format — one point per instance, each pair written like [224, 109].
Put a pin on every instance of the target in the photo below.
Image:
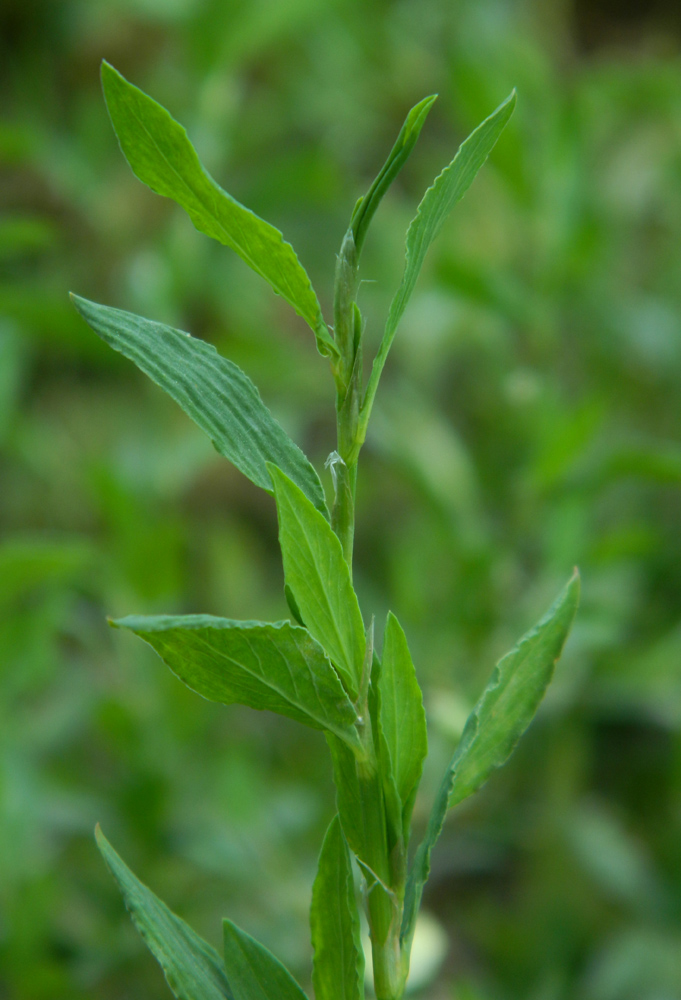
[253, 971]
[193, 969]
[495, 725]
[278, 667]
[213, 391]
[161, 155]
[338, 967]
[318, 575]
[438, 201]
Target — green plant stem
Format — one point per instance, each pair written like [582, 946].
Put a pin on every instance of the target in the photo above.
[348, 375]
[343, 511]
[383, 907]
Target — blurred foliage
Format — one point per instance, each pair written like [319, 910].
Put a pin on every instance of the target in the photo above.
[530, 419]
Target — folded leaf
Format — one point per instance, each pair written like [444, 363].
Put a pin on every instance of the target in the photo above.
[213, 391]
[278, 667]
[161, 155]
[338, 967]
[495, 725]
[253, 971]
[402, 718]
[319, 578]
[399, 154]
[438, 201]
[193, 969]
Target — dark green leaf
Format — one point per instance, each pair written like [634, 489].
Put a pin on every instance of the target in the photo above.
[193, 969]
[214, 392]
[403, 720]
[495, 725]
[278, 667]
[399, 154]
[319, 578]
[161, 155]
[253, 971]
[438, 201]
[338, 968]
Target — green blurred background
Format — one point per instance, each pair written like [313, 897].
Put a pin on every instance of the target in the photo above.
[529, 420]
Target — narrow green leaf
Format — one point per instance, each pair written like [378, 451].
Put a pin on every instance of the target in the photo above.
[213, 391]
[161, 155]
[193, 969]
[278, 667]
[495, 725]
[338, 967]
[319, 578]
[253, 971]
[399, 154]
[396, 835]
[403, 719]
[362, 810]
[438, 201]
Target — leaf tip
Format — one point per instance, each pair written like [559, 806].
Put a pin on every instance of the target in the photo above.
[575, 584]
[107, 73]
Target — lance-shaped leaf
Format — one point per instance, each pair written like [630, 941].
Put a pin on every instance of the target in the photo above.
[399, 154]
[338, 967]
[193, 969]
[161, 155]
[495, 725]
[319, 578]
[438, 201]
[402, 718]
[213, 391]
[278, 667]
[253, 971]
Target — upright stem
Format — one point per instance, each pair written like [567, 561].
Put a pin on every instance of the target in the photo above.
[343, 512]
[383, 905]
[347, 332]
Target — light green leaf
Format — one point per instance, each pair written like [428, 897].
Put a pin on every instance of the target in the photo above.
[402, 717]
[253, 971]
[438, 201]
[278, 667]
[495, 725]
[338, 967]
[213, 391]
[161, 155]
[193, 969]
[396, 834]
[362, 811]
[399, 154]
[319, 578]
